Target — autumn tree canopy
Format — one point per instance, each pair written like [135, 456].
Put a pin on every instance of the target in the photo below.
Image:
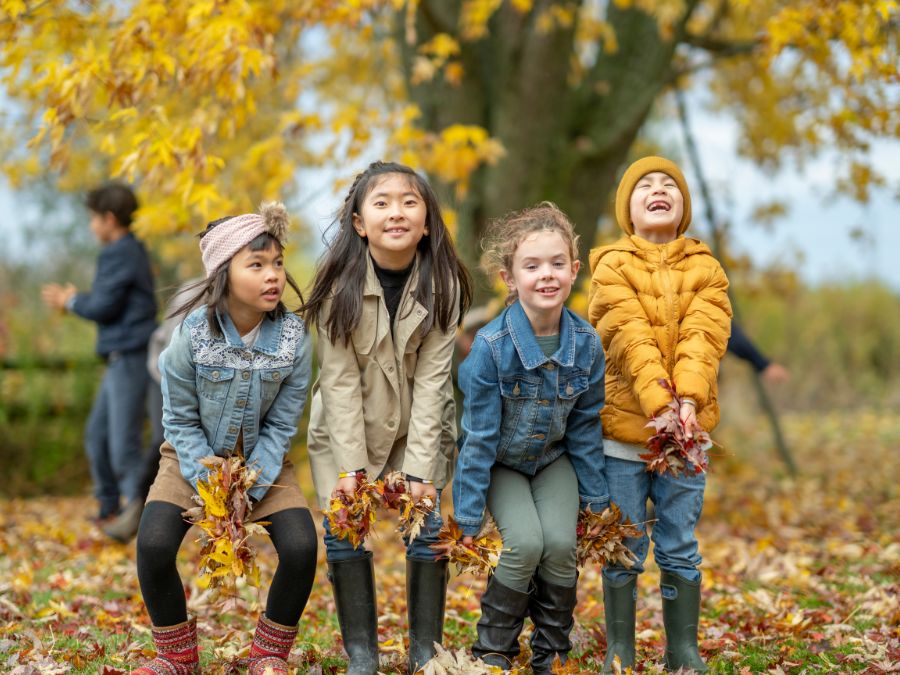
[212, 105]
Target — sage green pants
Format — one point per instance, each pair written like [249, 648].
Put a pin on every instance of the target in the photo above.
[536, 517]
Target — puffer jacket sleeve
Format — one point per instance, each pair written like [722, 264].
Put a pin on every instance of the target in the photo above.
[703, 337]
[627, 335]
[340, 384]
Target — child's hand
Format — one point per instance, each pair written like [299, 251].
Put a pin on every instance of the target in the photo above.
[56, 296]
[467, 541]
[346, 485]
[688, 416]
[418, 490]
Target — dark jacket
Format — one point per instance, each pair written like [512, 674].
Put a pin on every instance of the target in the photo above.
[121, 299]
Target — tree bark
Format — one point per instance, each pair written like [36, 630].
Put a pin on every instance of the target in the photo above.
[564, 141]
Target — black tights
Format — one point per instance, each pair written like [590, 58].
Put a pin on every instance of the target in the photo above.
[159, 538]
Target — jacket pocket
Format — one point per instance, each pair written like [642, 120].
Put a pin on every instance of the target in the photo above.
[573, 386]
[270, 383]
[213, 382]
[519, 387]
[520, 401]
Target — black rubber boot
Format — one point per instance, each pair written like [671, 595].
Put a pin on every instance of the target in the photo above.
[552, 609]
[681, 616]
[426, 595]
[503, 612]
[619, 602]
[354, 596]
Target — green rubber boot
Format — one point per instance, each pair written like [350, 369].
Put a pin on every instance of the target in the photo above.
[619, 602]
[681, 616]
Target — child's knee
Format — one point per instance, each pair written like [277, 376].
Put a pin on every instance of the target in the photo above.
[559, 545]
[525, 551]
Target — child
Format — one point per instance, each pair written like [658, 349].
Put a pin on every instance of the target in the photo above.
[659, 301]
[387, 299]
[122, 304]
[234, 380]
[531, 449]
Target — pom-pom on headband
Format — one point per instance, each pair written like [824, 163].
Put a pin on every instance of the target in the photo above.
[227, 238]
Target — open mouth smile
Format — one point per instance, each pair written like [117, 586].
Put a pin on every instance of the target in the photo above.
[659, 205]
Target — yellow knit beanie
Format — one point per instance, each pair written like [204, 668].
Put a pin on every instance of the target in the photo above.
[637, 171]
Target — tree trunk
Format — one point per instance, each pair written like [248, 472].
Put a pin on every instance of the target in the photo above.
[564, 141]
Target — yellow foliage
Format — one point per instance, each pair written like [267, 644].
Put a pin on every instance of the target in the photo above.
[211, 107]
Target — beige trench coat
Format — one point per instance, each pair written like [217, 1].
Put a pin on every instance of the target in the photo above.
[384, 402]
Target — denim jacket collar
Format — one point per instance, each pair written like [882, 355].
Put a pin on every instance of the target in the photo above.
[269, 334]
[526, 344]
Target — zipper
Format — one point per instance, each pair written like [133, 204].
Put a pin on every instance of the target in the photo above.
[673, 310]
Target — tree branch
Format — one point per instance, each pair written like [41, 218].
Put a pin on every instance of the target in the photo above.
[719, 47]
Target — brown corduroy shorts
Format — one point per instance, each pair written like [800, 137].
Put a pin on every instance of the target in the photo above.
[170, 486]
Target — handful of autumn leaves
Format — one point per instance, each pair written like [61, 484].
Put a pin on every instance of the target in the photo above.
[601, 537]
[224, 503]
[351, 516]
[669, 448]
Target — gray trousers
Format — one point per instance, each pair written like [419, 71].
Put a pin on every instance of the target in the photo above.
[536, 517]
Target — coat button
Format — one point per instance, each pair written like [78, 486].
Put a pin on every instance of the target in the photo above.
[241, 403]
[277, 376]
[569, 390]
[544, 401]
[390, 368]
[232, 430]
[549, 366]
[540, 437]
[215, 374]
[245, 375]
[391, 424]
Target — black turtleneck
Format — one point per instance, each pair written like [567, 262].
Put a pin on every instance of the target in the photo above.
[392, 283]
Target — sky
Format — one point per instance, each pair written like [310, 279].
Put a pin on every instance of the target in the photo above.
[815, 236]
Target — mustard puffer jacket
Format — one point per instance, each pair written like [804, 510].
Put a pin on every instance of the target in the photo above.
[662, 312]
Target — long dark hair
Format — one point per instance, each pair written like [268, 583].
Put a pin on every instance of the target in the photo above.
[341, 273]
[213, 290]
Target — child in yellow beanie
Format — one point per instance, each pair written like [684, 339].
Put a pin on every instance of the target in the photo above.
[659, 301]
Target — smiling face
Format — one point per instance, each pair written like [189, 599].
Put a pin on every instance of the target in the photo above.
[392, 218]
[256, 281]
[656, 207]
[542, 273]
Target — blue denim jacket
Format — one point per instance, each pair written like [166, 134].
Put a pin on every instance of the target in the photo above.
[523, 409]
[215, 386]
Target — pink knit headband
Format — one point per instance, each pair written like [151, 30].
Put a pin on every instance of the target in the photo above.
[227, 238]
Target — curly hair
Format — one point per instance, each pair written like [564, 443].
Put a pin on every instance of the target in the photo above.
[506, 233]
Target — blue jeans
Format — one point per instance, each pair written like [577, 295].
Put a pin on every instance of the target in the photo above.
[419, 548]
[678, 502]
[114, 429]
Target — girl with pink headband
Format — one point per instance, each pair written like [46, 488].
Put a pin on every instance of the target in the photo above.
[234, 380]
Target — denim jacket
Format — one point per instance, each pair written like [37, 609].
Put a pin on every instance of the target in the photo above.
[214, 387]
[523, 409]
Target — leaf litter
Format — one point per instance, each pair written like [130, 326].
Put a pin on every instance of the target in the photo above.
[800, 575]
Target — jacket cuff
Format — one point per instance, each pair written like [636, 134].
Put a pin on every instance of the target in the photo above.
[417, 470]
[596, 504]
[257, 492]
[470, 528]
[693, 386]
